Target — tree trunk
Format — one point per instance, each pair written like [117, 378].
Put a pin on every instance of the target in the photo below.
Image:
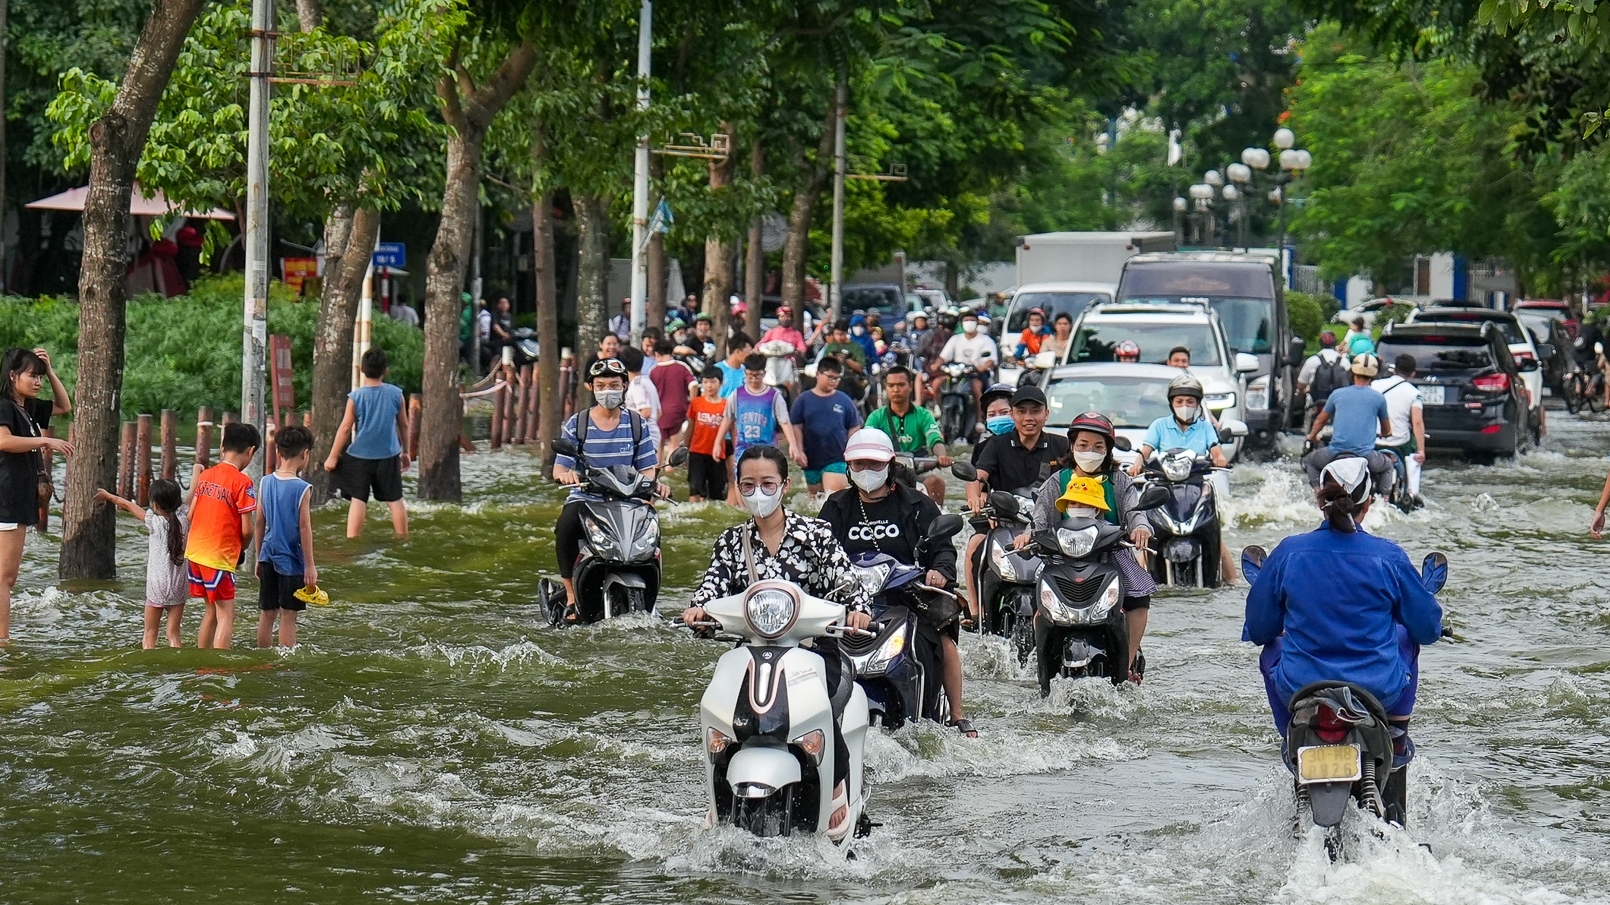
[349, 240]
[117, 139]
[469, 111]
[308, 14]
[755, 264]
[592, 275]
[718, 259]
[552, 414]
[656, 256]
[796, 248]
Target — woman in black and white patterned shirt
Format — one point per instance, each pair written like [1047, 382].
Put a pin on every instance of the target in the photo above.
[796, 548]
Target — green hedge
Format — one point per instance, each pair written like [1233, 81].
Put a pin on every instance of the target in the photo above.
[184, 353]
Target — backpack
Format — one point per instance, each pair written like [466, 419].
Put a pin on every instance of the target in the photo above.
[634, 419]
[1329, 378]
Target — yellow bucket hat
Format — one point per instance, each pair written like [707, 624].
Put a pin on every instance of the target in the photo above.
[1083, 492]
[313, 594]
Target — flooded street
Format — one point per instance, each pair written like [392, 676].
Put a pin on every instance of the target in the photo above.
[432, 741]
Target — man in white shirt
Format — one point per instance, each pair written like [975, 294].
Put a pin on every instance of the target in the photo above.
[974, 347]
[1405, 411]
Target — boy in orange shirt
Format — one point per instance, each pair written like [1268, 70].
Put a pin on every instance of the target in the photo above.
[707, 477]
[223, 500]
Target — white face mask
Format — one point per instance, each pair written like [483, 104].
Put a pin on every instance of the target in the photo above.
[1185, 413]
[760, 503]
[1088, 461]
[870, 479]
[969, 327]
[1083, 512]
[610, 399]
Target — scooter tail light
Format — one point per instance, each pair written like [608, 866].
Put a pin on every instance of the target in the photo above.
[1329, 725]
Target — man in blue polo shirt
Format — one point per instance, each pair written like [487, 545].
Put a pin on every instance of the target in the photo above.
[1360, 416]
[1185, 429]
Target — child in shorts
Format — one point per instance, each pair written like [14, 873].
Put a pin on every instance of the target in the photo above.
[222, 500]
[285, 523]
[166, 581]
[375, 422]
[707, 478]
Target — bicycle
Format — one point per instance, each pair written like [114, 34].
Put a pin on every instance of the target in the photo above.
[1584, 390]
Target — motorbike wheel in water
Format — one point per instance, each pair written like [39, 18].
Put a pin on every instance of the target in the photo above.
[1022, 639]
[765, 817]
[1571, 390]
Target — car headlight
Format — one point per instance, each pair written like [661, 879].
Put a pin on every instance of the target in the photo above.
[770, 611]
[879, 662]
[872, 578]
[1001, 562]
[1218, 402]
[1258, 395]
[1077, 542]
[602, 543]
[1178, 467]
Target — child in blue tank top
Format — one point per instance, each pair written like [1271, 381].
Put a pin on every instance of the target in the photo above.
[285, 523]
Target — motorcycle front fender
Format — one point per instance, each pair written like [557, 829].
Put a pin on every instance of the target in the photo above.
[758, 771]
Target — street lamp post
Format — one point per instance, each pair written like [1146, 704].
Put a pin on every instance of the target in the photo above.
[1202, 196]
[1293, 162]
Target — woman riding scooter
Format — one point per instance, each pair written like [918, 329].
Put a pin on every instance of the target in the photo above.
[997, 421]
[1339, 604]
[778, 543]
[1092, 457]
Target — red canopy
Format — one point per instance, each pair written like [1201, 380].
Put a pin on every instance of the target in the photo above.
[140, 205]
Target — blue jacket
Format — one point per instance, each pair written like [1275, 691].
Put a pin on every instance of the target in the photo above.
[1339, 599]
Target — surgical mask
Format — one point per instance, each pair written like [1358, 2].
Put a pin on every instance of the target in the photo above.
[859, 331]
[1089, 462]
[969, 327]
[870, 479]
[610, 399]
[1185, 413]
[1083, 512]
[1000, 424]
[760, 503]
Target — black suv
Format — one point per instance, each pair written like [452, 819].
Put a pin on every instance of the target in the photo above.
[1469, 383]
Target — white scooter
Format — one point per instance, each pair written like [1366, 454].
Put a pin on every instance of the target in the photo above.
[767, 719]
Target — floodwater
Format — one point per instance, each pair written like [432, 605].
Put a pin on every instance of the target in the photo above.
[431, 741]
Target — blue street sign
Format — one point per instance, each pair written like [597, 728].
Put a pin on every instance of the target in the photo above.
[391, 254]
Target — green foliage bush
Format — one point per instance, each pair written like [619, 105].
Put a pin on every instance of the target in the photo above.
[1307, 315]
[184, 353]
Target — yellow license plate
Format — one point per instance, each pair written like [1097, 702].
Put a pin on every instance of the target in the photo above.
[1328, 763]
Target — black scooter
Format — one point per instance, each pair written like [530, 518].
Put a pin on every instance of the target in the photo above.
[1079, 625]
[618, 571]
[897, 662]
[1006, 576]
[1339, 742]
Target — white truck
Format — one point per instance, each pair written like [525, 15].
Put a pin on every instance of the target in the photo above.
[1096, 257]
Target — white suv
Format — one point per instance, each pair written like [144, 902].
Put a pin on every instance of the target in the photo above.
[1160, 328]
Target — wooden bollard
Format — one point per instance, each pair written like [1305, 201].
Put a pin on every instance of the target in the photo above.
[509, 393]
[416, 408]
[142, 460]
[533, 406]
[523, 405]
[230, 417]
[497, 417]
[170, 444]
[271, 453]
[204, 437]
[125, 463]
[567, 392]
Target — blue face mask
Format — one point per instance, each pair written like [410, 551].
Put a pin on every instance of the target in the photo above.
[1000, 424]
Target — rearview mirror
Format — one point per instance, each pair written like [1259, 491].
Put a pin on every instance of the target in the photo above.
[1245, 363]
[1252, 562]
[564, 447]
[1122, 443]
[1152, 496]
[678, 456]
[1004, 504]
[946, 526]
[1434, 572]
[1545, 350]
[964, 471]
[1231, 428]
[1526, 365]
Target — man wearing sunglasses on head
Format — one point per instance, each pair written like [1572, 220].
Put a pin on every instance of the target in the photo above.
[604, 436]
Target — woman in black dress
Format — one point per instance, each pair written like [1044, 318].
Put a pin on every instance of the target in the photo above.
[23, 419]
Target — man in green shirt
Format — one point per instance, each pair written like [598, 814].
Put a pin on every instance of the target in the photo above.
[911, 427]
[853, 357]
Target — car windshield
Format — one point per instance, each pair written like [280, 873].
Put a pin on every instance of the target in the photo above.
[1128, 401]
[887, 300]
[1440, 353]
[1052, 303]
[1096, 342]
[1241, 293]
[1538, 323]
[1511, 329]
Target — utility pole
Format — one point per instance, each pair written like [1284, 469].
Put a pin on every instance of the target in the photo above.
[640, 236]
[836, 278]
[255, 332]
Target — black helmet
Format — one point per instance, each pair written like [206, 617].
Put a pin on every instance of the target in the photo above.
[1185, 385]
[997, 391]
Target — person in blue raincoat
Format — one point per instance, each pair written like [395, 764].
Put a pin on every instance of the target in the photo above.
[1337, 604]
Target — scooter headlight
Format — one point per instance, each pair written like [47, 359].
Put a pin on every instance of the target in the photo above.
[1001, 562]
[646, 541]
[1052, 606]
[1079, 542]
[879, 662]
[1178, 467]
[602, 543]
[813, 743]
[770, 611]
[717, 741]
[1103, 605]
[872, 578]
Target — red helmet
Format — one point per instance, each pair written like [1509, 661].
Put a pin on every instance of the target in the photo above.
[1094, 422]
[1127, 351]
[785, 311]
